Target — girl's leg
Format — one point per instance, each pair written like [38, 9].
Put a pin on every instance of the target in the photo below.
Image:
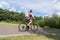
[30, 22]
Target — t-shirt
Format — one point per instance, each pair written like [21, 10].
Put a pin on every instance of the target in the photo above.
[27, 18]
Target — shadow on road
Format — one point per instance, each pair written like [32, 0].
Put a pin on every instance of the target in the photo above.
[50, 33]
[45, 31]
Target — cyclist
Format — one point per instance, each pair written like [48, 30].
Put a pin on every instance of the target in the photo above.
[29, 19]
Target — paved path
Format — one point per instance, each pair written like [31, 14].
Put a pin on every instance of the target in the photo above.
[10, 30]
[47, 31]
[13, 29]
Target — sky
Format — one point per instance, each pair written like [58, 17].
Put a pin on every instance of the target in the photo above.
[39, 7]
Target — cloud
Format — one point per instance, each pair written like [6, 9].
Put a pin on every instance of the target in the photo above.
[46, 7]
[19, 11]
[4, 4]
[57, 6]
[12, 9]
[58, 13]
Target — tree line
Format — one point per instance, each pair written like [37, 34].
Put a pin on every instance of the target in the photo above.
[10, 16]
[51, 22]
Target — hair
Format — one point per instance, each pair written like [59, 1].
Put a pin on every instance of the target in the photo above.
[30, 13]
[30, 10]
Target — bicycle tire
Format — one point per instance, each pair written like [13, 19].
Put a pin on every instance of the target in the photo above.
[21, 27]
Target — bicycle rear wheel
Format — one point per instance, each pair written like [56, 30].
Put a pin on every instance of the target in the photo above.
[21, 27]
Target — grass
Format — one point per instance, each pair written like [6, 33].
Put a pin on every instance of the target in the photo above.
[5, 23]
[32, 37]
[10, 23]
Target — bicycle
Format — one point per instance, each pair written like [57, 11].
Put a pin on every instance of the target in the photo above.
[23, 28]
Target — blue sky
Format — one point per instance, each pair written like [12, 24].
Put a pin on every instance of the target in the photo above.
[39, 7]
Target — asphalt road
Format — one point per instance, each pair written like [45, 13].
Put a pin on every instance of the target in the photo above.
[10, 30]
[13, 29]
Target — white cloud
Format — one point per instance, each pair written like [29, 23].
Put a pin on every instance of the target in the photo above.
[22, 7]
[19, 11]
[45, 6]
[55, 1]
[12, 9]
[57, 6]
[1, 6]
[58, 13]
[40, 5]
[4, 4]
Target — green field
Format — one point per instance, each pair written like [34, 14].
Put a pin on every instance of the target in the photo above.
[32, 37]
[5, 23]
